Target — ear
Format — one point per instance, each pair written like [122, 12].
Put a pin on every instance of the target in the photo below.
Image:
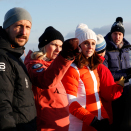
[7, 29]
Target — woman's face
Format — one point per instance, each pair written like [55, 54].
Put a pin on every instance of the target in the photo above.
[88, 47]
[53, 49]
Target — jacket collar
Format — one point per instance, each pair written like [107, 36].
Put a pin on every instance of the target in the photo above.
[6, 45]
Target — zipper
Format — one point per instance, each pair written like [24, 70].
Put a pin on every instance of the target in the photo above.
[119, 61]
[125, 62]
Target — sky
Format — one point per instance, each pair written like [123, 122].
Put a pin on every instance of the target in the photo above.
[65, 15]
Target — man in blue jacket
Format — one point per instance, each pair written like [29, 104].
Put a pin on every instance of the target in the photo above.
[117, 60]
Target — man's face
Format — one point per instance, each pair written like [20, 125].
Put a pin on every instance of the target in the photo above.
[117, 37]
[19, 32]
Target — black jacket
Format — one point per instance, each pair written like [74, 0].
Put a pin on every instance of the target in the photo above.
[17, 107]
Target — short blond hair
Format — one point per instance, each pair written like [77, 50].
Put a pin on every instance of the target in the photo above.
[39, 54]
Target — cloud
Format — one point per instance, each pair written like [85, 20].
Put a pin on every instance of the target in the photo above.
[71, 34]
[127, 28]
[103, 30]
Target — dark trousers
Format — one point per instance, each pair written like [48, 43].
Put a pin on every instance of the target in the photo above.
[122, 112]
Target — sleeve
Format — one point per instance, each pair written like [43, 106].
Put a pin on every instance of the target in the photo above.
[118, 74]
[44, 77]
[81, 113]
[109, 90]
[70, 82]
[7, 121]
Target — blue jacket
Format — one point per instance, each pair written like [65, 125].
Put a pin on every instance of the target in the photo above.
[117, 60]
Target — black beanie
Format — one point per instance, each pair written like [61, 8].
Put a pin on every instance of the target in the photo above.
[118, 26]
[49, 35]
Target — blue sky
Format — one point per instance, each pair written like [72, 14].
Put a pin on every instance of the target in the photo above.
[65, 15]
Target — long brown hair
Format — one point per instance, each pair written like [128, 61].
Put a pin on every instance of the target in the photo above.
[92, 61]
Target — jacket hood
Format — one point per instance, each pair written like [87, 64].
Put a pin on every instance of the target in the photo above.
[28, 60]
[111, 45]
[28, 57]
[6, 45]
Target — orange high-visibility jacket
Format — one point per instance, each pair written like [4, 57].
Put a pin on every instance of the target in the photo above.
[82, 87]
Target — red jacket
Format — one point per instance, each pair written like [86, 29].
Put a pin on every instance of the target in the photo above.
[82, 87]
[50, 95]
[109, 90]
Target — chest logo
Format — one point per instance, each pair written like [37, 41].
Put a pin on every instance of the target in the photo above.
[26, 83]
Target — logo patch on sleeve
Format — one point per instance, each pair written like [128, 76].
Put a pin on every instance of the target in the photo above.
[38, 65]
[40, 70]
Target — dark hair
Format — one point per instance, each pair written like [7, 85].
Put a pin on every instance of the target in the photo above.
[93, 61]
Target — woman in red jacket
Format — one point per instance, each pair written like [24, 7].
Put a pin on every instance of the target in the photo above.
[81, 82]
[46, 69]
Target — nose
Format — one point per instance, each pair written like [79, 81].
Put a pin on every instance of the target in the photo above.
[117, 36]
[23, 30]
[58, 49]
[89, 46]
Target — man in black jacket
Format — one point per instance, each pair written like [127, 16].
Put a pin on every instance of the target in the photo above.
[17, 107]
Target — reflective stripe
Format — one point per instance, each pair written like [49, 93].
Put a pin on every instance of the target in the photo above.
[96, 93]
[81, 94]
[71, 98]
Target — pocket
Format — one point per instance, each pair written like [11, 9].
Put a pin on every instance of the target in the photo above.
[61, 103]
[62, 96]
[54, 101]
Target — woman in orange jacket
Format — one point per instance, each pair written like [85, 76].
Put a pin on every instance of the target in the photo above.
[81, 82]
[46, 69]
